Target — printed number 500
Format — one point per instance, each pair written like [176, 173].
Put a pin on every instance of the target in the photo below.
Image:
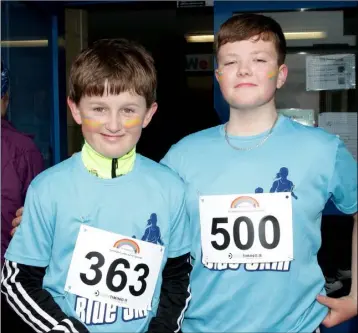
[215, 230]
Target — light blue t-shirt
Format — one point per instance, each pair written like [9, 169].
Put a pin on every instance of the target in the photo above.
[148, 203]
[279, 297]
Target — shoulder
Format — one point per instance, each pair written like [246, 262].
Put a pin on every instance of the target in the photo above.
[17, 141]
[196, 140]
[314, 135]
[158, 173]
[56, 175]
[193, 147]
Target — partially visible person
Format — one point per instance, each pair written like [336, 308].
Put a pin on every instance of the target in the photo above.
[21, 161]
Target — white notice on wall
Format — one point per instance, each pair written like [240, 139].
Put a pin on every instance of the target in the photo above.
[343, 124]
[330, 72]
[302, 116]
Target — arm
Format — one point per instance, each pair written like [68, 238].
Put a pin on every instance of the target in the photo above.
[175, 290]
[22, 171]
[11, 200]
[343, 188]
[174, 296]
[30, 164]
[27, 258]
[22, 287]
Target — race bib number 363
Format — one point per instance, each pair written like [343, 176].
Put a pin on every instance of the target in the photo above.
[248, 228]
[112, 268]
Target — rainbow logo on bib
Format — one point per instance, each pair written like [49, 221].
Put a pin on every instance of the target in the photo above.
[245, 202]
[127, 244]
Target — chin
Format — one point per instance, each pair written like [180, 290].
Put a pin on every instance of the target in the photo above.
[244, 106]
[110, 152]
[248, 104]
[114, 154]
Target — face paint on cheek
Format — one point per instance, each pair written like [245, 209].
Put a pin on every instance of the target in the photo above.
[271, 75]
[91, 124]
[130, 123]
[220, 73]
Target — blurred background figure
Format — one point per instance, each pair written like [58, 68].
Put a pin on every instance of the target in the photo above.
[21, 161]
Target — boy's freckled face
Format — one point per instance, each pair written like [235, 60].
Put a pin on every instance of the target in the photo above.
[248, 73]
[112, 124]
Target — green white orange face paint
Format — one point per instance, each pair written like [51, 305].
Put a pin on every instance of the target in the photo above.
[130, 123]
[91, 124]
[272, 74]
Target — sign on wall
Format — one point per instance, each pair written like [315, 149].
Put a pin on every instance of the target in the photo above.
[330, 72]
[190, 4]
[199, 63]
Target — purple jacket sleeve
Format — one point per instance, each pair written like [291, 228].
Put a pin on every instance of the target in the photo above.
[30, 165]
[17, 174]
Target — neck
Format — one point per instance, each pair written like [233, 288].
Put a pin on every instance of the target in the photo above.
[249, 122]
[105, 167]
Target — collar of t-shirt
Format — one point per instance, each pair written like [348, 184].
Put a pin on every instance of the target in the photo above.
[104, 167]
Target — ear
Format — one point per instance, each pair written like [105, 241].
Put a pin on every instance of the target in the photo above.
[149, 114]
[282, 76]
[75, 111]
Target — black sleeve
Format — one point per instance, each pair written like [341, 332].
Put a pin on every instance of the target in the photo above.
[174, 296]
[22, 287]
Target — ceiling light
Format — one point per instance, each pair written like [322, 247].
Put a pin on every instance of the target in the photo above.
[30, 43]
[288, 35]
[305, 35]
[199, 38]
[24, 43]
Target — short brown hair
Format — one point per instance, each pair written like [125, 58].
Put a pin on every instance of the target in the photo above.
[245, 26]
[125, 65]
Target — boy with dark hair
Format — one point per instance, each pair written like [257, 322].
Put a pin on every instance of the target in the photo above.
[257, 186]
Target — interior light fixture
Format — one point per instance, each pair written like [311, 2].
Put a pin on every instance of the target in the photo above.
[24, 43]
[197, 38]
[29, 43]
[305, 35]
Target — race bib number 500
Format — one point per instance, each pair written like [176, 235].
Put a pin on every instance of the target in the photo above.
[250, 228]
[114, 269]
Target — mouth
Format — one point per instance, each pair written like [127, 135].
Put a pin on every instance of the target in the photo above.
[111, 137]
[243, 85]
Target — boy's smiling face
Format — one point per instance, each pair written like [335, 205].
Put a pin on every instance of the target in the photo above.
[112, 124]
[248, 73]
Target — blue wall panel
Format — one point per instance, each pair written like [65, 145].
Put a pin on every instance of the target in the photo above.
[30, 73]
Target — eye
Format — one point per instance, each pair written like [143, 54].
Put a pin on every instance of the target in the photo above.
[98, 109]
[260, 60]
[128, 110]
[229, 63]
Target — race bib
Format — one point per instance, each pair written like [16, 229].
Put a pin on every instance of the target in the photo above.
[250, 228]
[112, 268]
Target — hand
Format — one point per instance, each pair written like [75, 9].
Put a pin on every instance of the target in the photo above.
[17, 220]
[340, 309]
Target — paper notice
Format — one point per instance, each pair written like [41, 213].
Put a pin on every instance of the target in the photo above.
[302, 116]
[343, 124]
[330, 72]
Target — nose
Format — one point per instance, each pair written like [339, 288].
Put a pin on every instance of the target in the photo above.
[114, 124]
[243, 69]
